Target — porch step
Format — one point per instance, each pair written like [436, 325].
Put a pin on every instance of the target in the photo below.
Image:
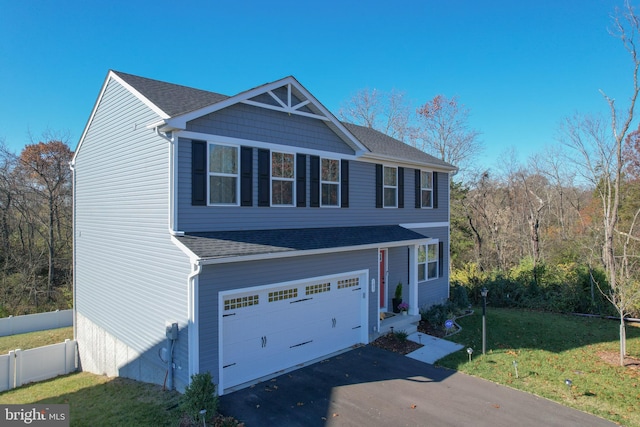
[408, 324]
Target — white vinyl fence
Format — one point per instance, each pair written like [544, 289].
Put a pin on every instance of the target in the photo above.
[35, 322]
[25, 366]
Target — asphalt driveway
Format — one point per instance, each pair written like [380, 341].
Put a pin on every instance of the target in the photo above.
[372, 387]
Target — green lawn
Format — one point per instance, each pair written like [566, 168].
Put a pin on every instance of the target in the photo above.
[35, 339]
[96, 400]
[549, 349]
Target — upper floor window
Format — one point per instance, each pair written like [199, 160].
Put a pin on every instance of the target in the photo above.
[283, 175]
[426, 189]
[330, 182]
[223, 174]
[390, 187]
[428, 261]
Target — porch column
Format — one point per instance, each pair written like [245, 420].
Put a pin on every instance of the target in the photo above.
[413, 280]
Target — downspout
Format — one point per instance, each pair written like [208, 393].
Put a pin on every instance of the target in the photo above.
[448, 270]
[72, 166]
[173, 182]
[194, 333]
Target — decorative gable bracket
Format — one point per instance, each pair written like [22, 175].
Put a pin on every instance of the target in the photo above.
[291, 103]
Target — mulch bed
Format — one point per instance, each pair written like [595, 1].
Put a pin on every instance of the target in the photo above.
[391, 341]
[613, 358]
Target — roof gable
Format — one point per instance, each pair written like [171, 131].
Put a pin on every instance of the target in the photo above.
[286, 95]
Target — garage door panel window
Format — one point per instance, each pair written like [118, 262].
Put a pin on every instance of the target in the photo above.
[428, 262]
[240, 302]
[318, 289]
[283, 294]
[348, 283]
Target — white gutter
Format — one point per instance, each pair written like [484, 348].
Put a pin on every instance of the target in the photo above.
[381, 158]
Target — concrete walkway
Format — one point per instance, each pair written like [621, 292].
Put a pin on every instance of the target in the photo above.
[433, 348]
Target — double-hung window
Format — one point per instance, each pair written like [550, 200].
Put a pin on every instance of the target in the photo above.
[283, 176]
[426, 189]
[390, 187]
[428, 261]
[330, 182]
[223, 174]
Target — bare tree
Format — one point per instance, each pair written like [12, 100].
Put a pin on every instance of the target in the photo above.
[603, 164]
[443, 130]
[389, 113]
[46, 174]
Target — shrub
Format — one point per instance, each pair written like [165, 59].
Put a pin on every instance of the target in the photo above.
[459, 297]
[199, 395]
[437, 314]
[401, 335]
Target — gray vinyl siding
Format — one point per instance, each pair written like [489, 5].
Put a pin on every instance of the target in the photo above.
[435, 291]
[361, 210]
[260, 124]
[130, 278]
[216, 278]
[398, 265]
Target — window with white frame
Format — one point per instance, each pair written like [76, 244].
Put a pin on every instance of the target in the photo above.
[330, 182]
[426, 189]
[283, 175]
[428, 261]
[390, 187]
[223, 174]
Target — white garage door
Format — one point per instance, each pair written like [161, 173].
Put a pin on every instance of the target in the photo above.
[271, 328]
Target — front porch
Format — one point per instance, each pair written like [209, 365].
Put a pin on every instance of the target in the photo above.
[396, 322]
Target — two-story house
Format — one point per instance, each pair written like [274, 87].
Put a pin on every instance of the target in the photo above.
[243, 235]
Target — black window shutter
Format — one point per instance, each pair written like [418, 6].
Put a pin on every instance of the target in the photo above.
[434, 182]
[301, 180]
[418, 190]
[314, 181]
[344, 183]
[198, 173]
[264, 170]
[378, 186]
[401, 187]
[246, 176]
[440, 259]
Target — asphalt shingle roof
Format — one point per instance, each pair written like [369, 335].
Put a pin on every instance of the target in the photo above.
[222, 244]
[176, 100]
[171, 98]
[379, 143]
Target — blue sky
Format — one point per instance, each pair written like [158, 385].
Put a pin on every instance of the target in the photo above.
[520, 66]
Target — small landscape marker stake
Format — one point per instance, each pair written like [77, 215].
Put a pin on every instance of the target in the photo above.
[569, 384]
[515, 366]
[470, 352]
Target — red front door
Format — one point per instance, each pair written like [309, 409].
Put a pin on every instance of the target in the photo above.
[382, 278]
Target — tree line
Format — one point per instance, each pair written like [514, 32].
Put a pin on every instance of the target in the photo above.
[36, 227]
